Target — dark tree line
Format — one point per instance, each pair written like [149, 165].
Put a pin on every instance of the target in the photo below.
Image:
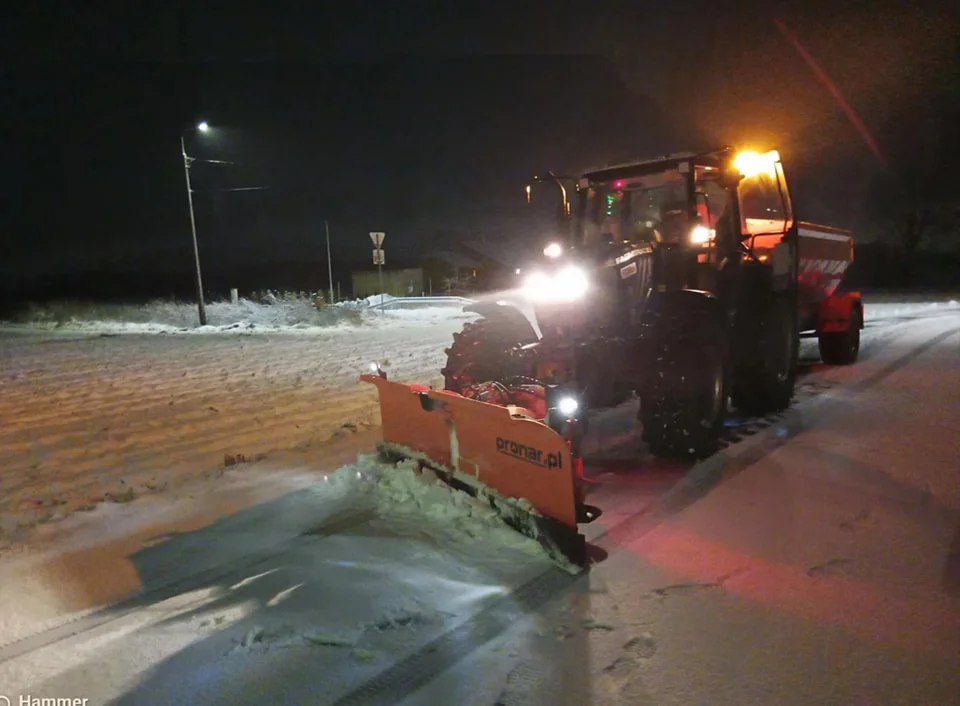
[916, 201]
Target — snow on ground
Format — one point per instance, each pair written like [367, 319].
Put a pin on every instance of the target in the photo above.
[822, 568]
[93, 419]
[320, 597]
[85, 420]
[300, 316]
[883, 310]
[294, 315]
[367, 302]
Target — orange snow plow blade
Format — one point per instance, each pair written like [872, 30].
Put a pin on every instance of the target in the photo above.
[521, 465]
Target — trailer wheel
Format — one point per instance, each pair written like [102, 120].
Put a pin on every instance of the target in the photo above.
[842, 347]
[683, 409]
[765, 377]
[481, 351]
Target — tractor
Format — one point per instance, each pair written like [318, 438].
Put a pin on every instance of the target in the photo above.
[686, 281]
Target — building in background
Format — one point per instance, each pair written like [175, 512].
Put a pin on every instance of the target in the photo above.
[406, 282]
[476, 265]
[466, 267]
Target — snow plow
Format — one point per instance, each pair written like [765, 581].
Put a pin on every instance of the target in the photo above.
[685, 281]
[502, 453]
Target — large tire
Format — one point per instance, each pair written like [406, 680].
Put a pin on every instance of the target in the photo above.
[683, 401]
[481, 351]
[765, 376]
[687, 420]
[842, 347]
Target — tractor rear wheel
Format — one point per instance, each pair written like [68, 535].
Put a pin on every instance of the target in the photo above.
[482, 351]
[765, 376]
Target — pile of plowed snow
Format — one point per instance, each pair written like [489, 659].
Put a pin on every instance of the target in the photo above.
[276, 315]
[415, 503]
[878, 310]
[374, 300]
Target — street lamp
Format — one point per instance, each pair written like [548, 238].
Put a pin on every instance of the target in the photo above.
[201, 309]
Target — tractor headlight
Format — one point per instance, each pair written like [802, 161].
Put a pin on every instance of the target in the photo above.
[563, 407]
[567, 406]
[701, 235]
[553, 250]
[569, 284]
[537, 285]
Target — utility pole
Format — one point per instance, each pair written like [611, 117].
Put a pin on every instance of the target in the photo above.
[201, 309]
[326, 225]
[378, 260]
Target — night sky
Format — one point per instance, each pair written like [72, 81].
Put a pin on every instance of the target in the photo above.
[427, 123]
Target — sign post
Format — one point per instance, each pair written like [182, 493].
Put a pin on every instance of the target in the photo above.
[326, 225]
[378, 260]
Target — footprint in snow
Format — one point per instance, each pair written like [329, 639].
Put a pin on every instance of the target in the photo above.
[633, 651]
[524, 684]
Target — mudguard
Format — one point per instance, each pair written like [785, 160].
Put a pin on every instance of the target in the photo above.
[682, 315]
[522, 466]
[835, 312]
[509, 317]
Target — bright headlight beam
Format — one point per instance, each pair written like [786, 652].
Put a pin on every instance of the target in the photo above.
[537, 285]
[553, 250]
[701, 235]
[569, 284]
[567, 406]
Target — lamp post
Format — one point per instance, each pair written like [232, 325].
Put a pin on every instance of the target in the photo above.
[201, 309]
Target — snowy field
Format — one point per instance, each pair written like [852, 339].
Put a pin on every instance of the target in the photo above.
[818, 568]
[97, 411]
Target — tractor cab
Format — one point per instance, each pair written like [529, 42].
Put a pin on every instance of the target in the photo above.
[690, 212]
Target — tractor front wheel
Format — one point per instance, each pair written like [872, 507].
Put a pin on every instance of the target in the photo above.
[481, 351]
[683, 408]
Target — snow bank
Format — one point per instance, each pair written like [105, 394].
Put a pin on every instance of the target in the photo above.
[372, 301]
[416, 503]
[293, 315]
[287, 315]
[173, 316]
[406, 318]
[890, 310]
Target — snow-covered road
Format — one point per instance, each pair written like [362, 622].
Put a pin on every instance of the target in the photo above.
[815, 561]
